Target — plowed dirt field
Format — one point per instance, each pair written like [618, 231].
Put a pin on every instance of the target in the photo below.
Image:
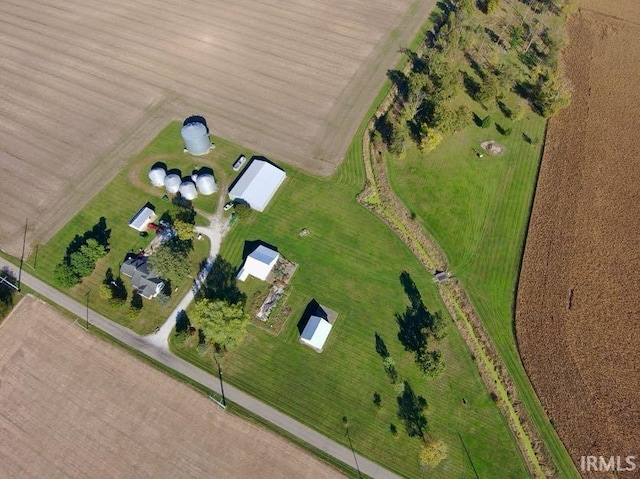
[86, 83]
[578, 306]
[72, 405]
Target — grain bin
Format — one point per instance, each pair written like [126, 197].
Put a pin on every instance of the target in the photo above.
[196, 138]
[172, 183]
[157, 176]
[206, 184]
[188, 190]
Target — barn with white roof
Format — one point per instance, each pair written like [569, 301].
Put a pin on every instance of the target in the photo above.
[257, 184]
[259, 263]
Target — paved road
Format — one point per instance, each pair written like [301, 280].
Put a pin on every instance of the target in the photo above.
[233, 394]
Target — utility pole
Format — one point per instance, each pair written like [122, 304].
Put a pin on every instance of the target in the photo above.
[224, 402]
[87, 303]
[24, 242]
[354, 453]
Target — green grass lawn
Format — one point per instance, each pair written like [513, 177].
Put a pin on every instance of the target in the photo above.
[351, 263]
[477, 211]
[118, 202]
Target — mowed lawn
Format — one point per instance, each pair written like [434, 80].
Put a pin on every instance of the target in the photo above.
[351, 263]
[477, 210]
[117, 203]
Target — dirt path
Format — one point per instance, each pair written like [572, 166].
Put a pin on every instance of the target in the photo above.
[578, 306]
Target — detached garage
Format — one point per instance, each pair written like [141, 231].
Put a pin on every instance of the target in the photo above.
[259, 263]
[257, 184]
[315, 333]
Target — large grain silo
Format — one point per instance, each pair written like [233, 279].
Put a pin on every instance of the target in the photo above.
[196, 138]
[172, 183]
[157, 175]
[188, 190]
[206, 184]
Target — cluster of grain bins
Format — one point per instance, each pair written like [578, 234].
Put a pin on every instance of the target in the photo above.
[195, 135]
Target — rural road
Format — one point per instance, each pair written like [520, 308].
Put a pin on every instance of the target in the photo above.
[165, 357]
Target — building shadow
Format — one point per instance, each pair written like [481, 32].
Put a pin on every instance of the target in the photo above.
[196, 119]
[250, 246]
[312, 309]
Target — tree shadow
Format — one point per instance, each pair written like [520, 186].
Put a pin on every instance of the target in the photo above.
[471, 86]
[400, 80]
[477, 120]
[381, 348]
[506, 111]
[384, 127]
[98, 232]
[527, 138]
[183, 324]
[221, 284]
[501, 129]
[411, 410]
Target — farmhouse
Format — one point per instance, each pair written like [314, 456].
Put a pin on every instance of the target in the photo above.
[259, 263]
[142, 218]
[257, 184]
[145, 282]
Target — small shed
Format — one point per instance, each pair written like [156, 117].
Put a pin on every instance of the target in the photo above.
[206, 184]
[316, 332]
[172, 183]
[259, 263]
[142, 218]
[196, 138]
[157, 176]
[188, 190]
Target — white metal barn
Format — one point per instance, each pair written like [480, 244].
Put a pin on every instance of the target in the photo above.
[142, 218]
[257, 184]
[316, 332]
[259, 263]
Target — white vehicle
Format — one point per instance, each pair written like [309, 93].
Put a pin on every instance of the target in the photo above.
[239, 162]
[228, 206]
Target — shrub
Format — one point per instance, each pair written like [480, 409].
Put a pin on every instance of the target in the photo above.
[105, 291]
[65, 276]
[430, 140]
[433, 453]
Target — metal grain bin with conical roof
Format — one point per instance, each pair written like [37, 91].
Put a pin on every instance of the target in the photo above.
[188, 190]
[172, 183]
[196, 138]
[157, 176]
[206, 184]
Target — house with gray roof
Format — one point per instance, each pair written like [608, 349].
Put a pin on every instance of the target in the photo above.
[145, 281]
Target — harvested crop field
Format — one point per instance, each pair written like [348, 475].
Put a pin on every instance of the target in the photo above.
[578, 307]
[73, 405]
[85, 84]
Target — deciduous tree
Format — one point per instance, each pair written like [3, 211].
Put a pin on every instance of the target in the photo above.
[223, 325]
